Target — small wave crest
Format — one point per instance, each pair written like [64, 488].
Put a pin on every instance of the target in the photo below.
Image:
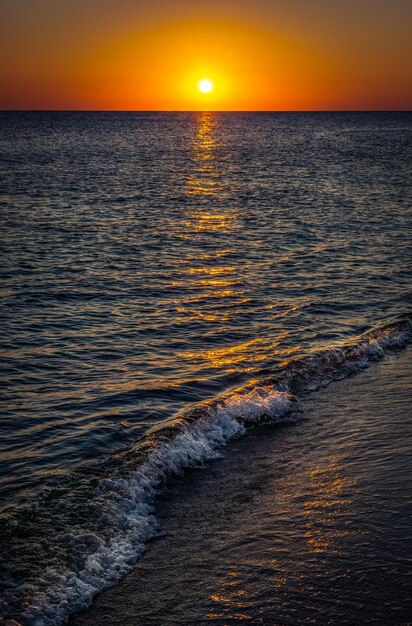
[103, 537]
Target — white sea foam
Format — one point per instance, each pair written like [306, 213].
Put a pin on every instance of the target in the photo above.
[129, 501]
[126, 504]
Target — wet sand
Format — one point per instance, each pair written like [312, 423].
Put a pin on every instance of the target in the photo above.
[300, 524]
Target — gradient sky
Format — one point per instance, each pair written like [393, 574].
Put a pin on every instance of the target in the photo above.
[261, 54]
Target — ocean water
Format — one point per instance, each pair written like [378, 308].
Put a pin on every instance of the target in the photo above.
[308, 524]
[168, 281]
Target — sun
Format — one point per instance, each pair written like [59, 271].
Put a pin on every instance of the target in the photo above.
[205, 85]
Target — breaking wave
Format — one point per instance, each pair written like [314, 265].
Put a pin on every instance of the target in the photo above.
[88, 535]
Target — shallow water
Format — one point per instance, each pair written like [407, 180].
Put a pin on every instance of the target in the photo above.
[307, 524]
[155, 261]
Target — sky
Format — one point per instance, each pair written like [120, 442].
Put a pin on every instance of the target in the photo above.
[271, 55]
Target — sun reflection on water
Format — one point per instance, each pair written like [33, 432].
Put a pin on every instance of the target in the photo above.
[230, 597]
[330, 488]
[216, 290]
[214, 287]
[203, 179]
[248, 352]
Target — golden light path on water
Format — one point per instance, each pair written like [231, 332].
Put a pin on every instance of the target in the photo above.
[215, 280]
[204, 179]
[329, 487]
[325, 507]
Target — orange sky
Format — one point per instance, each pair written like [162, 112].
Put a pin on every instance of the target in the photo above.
[260, 54]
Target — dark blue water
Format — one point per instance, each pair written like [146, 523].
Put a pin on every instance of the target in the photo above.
[153, 261]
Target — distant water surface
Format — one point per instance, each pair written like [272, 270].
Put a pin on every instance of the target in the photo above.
[152, 261]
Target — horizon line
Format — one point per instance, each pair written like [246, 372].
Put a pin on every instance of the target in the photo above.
[205, 110]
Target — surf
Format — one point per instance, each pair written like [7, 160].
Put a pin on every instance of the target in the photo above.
[105, 529]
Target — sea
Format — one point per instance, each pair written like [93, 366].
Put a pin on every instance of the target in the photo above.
[205, 413]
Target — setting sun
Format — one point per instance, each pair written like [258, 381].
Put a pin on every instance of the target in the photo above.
[205, 85]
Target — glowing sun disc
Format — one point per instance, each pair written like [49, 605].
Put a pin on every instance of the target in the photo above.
[205, 85]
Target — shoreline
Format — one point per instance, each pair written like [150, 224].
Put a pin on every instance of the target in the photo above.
[295, 494]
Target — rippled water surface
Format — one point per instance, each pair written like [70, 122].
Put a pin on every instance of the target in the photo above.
[156, 260]
[293, 526]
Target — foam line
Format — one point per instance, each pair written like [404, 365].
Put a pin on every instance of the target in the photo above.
[124, 499]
